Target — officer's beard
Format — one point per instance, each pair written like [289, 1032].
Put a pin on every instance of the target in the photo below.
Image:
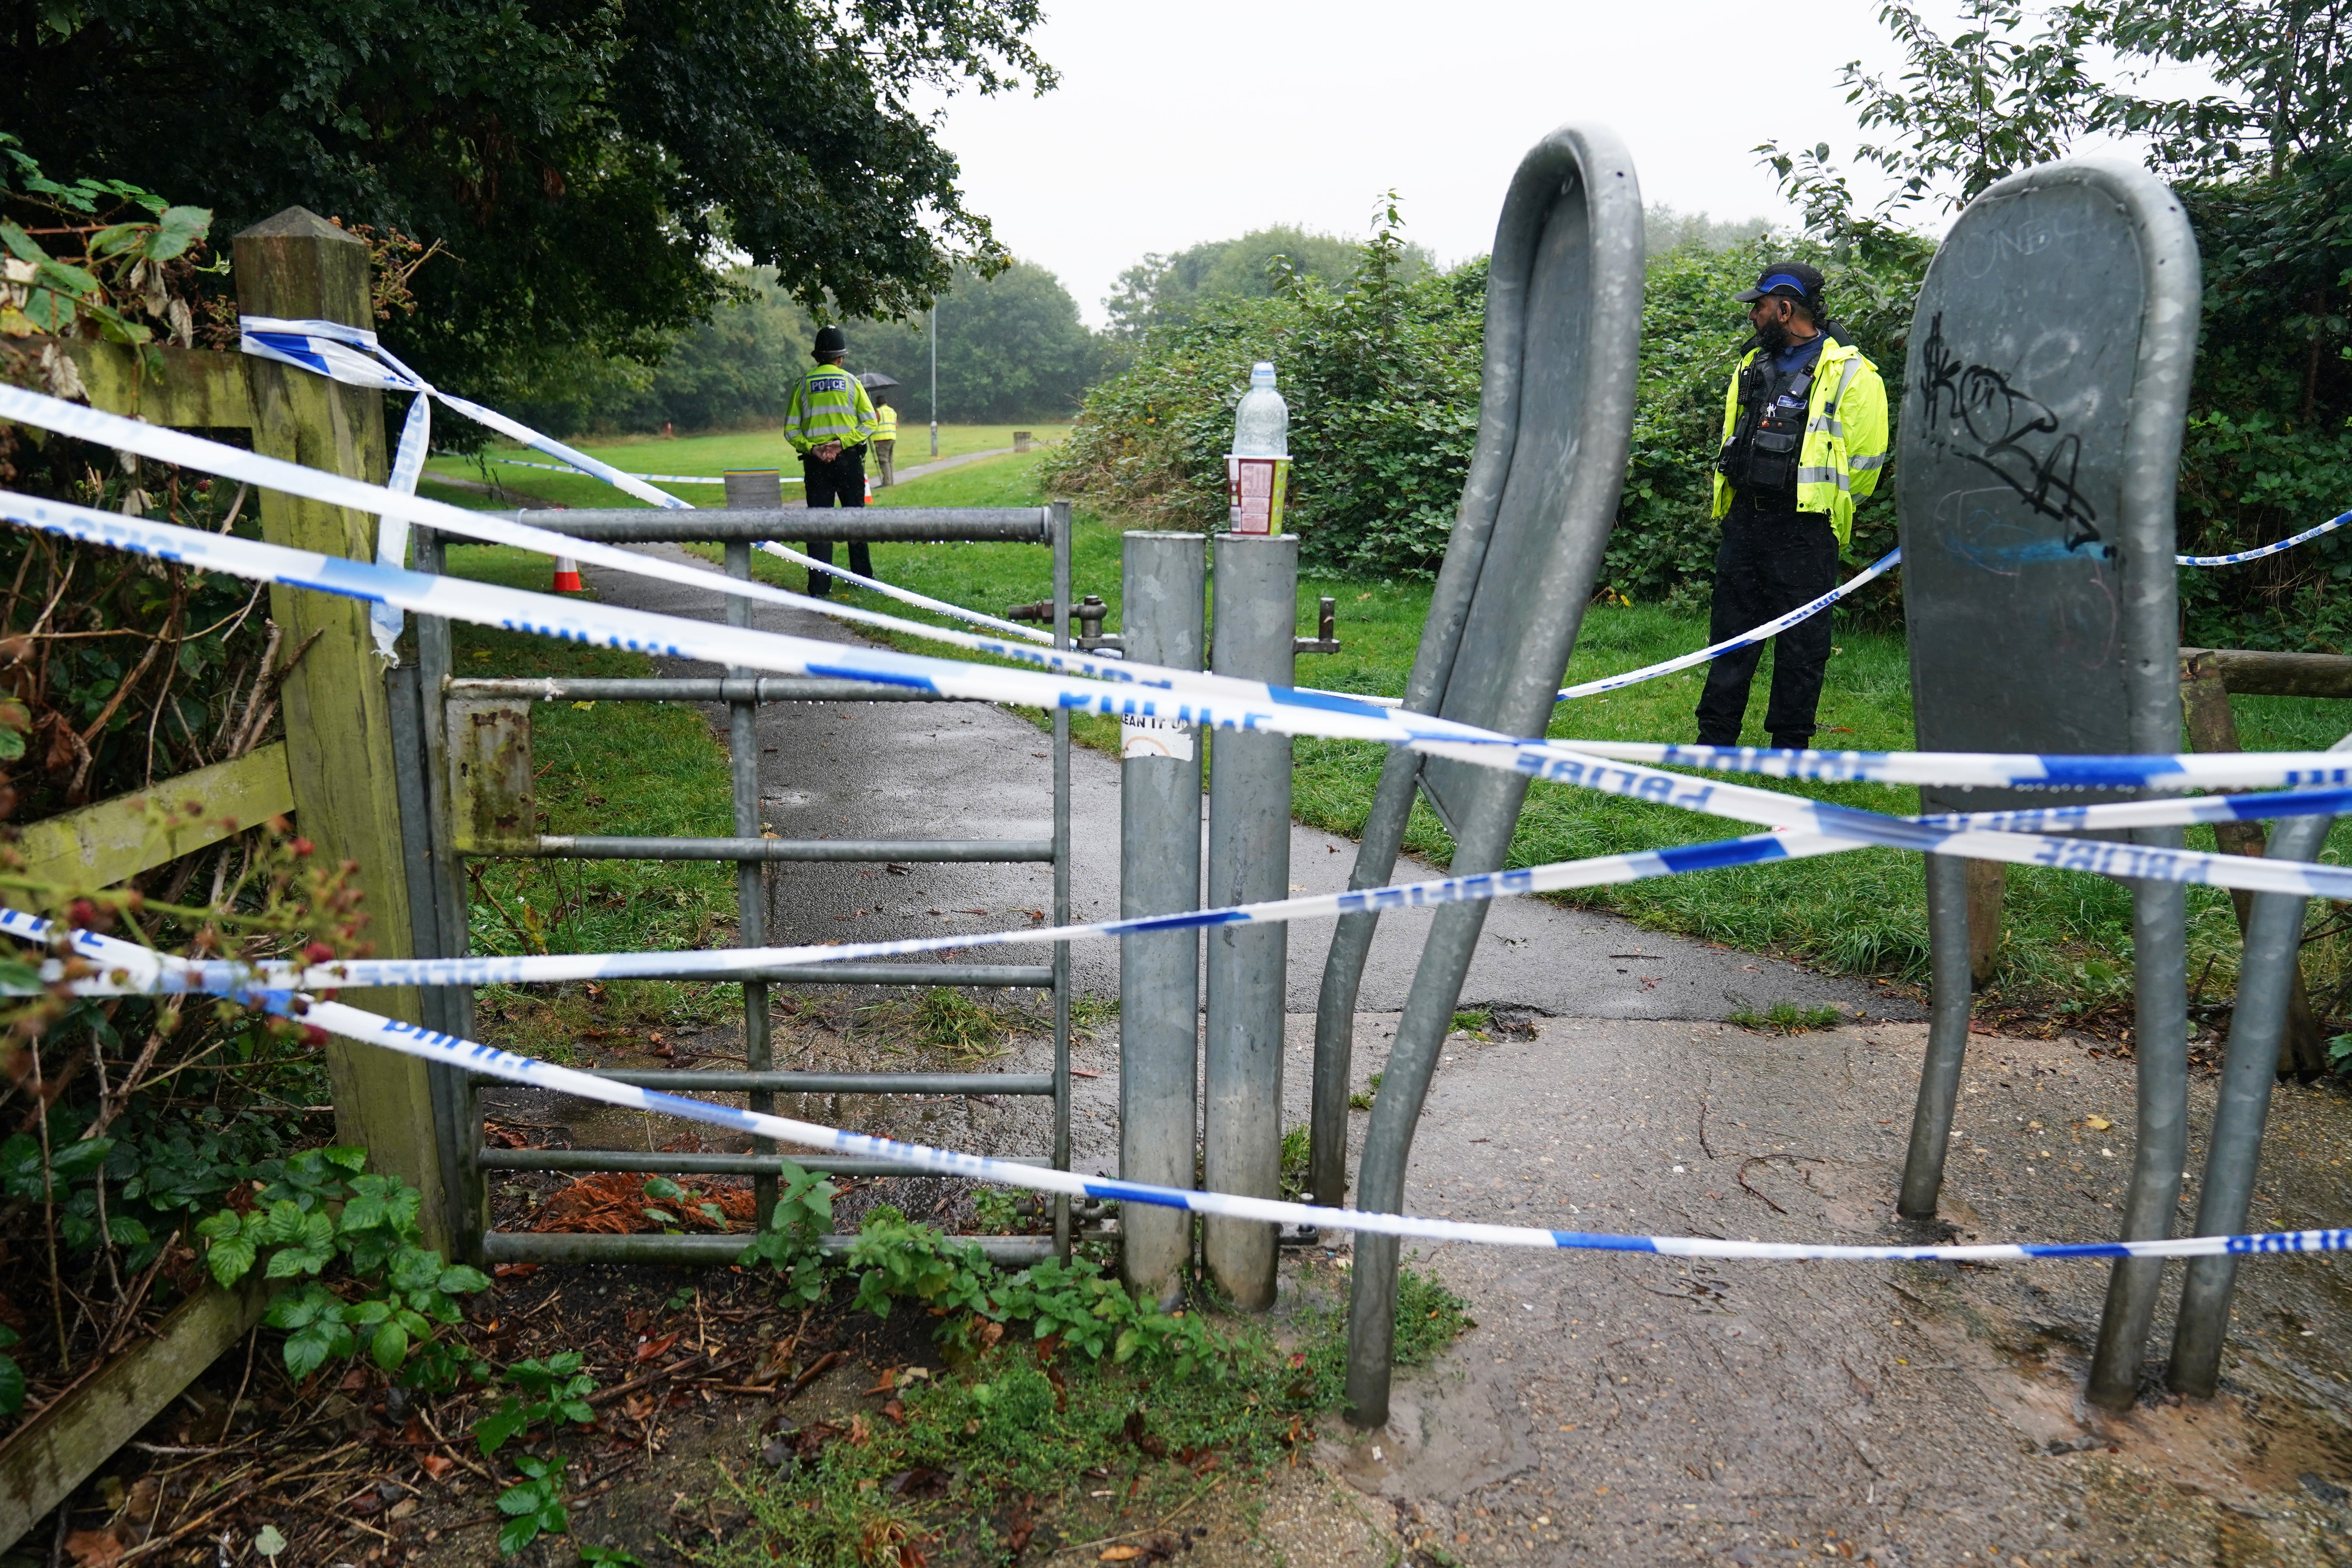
[1772, 333]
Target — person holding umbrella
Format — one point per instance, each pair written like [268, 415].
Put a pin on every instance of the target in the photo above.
[885, 412]
[829, 419]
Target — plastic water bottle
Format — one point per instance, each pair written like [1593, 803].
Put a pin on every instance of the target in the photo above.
[1262, 423]
[1258, 469]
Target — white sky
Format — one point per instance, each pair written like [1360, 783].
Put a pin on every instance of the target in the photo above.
[1176, 124]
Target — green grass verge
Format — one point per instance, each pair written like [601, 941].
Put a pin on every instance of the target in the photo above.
[712, 454]
[603, 767]
[2067, 938]
[1023, 1437]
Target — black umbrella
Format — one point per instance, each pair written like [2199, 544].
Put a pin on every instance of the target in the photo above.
[875, 380]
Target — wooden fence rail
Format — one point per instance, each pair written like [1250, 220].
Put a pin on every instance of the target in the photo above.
[334, 771]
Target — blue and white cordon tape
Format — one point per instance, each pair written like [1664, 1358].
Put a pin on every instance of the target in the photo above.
[353, 355]
[261, 980]
[1769, 629]
[2330, 526]
[649, 479]
[1145, 690]
[904, 595]
[1250, 705]
[1219, 703]
[410, 1039]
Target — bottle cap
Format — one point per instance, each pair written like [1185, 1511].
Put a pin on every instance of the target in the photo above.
[1261, 374]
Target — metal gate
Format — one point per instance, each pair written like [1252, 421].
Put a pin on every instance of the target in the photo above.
[439, 720]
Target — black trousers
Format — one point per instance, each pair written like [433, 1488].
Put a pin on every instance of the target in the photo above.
[841, 482]
[1773, 559]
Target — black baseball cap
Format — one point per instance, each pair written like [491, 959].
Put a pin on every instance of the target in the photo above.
[1793, 279]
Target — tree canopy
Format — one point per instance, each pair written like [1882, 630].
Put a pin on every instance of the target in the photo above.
[2264, 167]
[1168, 290]
[1010, 347]
[580, 164]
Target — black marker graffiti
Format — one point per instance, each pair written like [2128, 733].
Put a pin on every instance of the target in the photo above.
[2013, 434]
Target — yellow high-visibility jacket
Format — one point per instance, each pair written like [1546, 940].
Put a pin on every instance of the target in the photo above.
[1844, 448]
[886, 425]
[828, 404]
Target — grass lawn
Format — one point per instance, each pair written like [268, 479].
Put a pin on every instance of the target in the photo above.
[2066, 936]
[712, 455]
[603, 767]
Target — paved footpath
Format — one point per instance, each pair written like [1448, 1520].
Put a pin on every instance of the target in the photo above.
[967, 770]
[1635, 1410]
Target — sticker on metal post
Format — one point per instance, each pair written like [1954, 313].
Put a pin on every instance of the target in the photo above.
[1154, 738]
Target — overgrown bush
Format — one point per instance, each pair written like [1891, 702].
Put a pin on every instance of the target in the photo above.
[1383, 379]
[2269, 446]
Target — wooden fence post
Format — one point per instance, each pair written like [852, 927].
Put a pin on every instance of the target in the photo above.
[338, 716]
[2212, 726]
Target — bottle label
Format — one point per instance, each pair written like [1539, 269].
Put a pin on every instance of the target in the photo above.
[1254, 487]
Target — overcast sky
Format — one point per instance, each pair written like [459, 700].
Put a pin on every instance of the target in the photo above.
[1185, 123]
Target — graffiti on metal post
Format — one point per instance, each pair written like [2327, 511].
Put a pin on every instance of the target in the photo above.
[2009, 433]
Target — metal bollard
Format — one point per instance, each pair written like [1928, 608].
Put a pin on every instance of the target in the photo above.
[1164, 577]
[2266, 981]
[2161, 1144]
[1947, 1035]
[1249, 861]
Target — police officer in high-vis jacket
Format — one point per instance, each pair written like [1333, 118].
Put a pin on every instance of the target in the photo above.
[1804, 437]
[829, 418]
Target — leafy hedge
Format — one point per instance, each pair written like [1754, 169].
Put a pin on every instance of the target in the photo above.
[1381, 377]
[1382, 380]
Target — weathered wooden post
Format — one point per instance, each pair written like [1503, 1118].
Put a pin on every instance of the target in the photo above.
[338, 714]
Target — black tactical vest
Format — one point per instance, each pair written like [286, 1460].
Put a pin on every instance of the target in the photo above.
[1769, 431]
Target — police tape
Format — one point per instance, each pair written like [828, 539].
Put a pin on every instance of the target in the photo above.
[1769, 629]
[1877, 569]
[2330, 526]
[271, 977]
[904, 595]
[178, 448]
[1276, 710]
[451, 1050]
[1076, 680]
[189, 451]
[242, 978]
[352, 356]
[1991, 769]
[649, 479]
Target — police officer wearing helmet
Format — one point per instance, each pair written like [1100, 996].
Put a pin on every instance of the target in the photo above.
[829, 419]
[1804, 437]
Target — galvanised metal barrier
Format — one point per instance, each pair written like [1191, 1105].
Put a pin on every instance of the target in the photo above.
[448, 729]
[2042, 407]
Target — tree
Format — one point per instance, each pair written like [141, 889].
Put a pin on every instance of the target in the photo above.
[580, 164]
[1665, 229]
[1381, 377]
[1010, 347]
[1168, 290]
[2263, 166]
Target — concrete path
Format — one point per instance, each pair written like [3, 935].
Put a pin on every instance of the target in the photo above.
[1624, 1409]
[1613, 1408]
[965, 770]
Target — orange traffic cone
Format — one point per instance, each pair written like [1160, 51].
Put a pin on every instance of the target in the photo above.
[869, 489]
[567, 575]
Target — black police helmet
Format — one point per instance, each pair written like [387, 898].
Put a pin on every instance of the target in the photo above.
[831, 340]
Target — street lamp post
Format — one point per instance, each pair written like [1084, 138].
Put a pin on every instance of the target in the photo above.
[935, 378]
